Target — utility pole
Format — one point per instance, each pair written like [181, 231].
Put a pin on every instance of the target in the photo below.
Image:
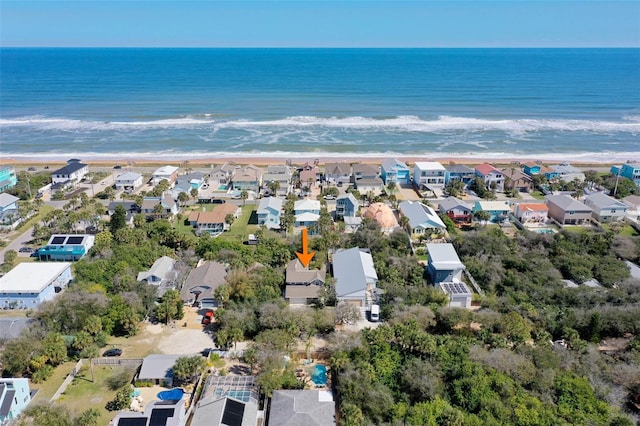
[615, 188]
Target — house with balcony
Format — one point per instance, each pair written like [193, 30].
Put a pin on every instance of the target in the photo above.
[458, 172]
[8, 202]
[307, 213]
[310, 174]
[567, 173]
[303, 285]
[365, 171]
[355, 275]
[532, 169]
[29, 284]
[631, 171]
[280, 174]
[168, 173]
[215, 222]
[374, 186]
[168, 207]
[394, 170]
[515, 179]
[346, 205]
[338, 173]
[69, 175]
[269, 212]
[186, 183]
[498, 210]
[491, 176]
[606, 209]
[247, 178]
[568, 211]
[423, 220]
[15, 396]
[224, 174]
[429, 175]
[66, 247]
[8, 178]
[457, 210]
[129, 181]
[528, 213]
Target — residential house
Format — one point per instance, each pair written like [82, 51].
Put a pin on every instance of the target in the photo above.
[185, 183]
[458, 172]
[269, 212]
[224, 174]
[162, 274]
[307, 213]
[532, 169]
[374, 186]
[66, 247]
[215, 222]
[492, 177]
[228, 400]
[306, 407]
[631, 171]
[352, 224]
[158, 369]
[457, 210]
[633, 202]
[346, 205]
[365, 171]
[248, 178]
[498, 210]
[129, 181]
[15, 396]
[605, 208]
[444, 265]
[156, 413]
[337, 173]
[303, 285]
[568, 211]
[8, 202]
[168, 206]
[9, 215]
[8, 178]
[567, 173]
[280, 174]
[168, 173]
[71, 174]
[310, 174]
[515, 179]
[423, 220]
[202, 282]
[429, 175]
[394, 170]
[531, 213]
[131, 209]
[383, 215]
[355, 275]
[458, 294]
[29, 284]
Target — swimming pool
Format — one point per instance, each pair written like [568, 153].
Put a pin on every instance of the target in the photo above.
[174, 394]
[222, 188]
[543, 231]
[319, 374]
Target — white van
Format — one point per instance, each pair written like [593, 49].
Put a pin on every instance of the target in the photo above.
[375, 313]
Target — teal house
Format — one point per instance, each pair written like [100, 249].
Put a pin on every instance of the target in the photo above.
[394, 170]
[8, 178]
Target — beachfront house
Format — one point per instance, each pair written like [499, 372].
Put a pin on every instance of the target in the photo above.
[215, 222]
[69, 175]
[458, 172]
[66, 247]
[8, 178]
[444, 265]
[568, 211]
[223, 174]
[168, 207]
[531, 213]
[129, 181]
[633, 204]
[423, 220]
[307, 213]
[303, 286]
[383, 216]
[515, 179]
[308, 407]
[457, 210]
[374, 186]
[202, 282]
[606, 209]
[31, 283]
[269, 212]
[168, 173]
[355, 276]
[346, 205]
[338, 173]
[15, 396]
[280, 174]
[631, 171]
[365, 171]
[498, 210]
[394, 170]
[247, 178]
[532, 169]
[567, 173]
[492, 177]
[429, 175]
[310, 174]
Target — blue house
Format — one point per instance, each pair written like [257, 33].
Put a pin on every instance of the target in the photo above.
[29, 284]
[269, 212]
[498, 210]
[394, 170]
[14, 398]
[532, 169]
[8, 178]
[458, 172]
[631, 171]
[68, 247]
[307, 213]
[346, 205]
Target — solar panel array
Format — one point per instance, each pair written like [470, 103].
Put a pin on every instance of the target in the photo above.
[132, 421]
[233, 413]
[159, 416]
[455, 288]
[58, 240]
[75, 240]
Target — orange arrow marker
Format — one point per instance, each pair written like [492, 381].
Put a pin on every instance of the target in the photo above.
[305, 257]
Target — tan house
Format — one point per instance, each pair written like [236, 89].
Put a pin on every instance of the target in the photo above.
[515, 179]
[568, 211]
[214, 222]
[303, 285]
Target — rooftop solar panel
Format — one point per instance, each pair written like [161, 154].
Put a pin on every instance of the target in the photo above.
[132, 421]
[58, 240]
[233, 413]
[75, 240]
[159, 416]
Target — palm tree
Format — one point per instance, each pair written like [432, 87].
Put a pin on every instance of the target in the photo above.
[391, 188]
[274, 186]
[183, 197]
[244, 195]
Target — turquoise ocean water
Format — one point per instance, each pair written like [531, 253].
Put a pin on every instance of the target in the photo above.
[581, 104]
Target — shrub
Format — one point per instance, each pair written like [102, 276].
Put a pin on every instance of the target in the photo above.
[119, 379]
[42, 374]
[144, 384]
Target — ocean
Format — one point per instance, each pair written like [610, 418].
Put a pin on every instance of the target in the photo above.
[578, 104]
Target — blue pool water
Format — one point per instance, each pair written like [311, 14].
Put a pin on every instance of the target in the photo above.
[319, 374]
[222, 188]
[544, 231]
[173, 394]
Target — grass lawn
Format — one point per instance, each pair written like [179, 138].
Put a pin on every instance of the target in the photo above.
[240, 229]
[137, 346]
[620, 229]
[48, 388]
[83, 394]
[537, 195]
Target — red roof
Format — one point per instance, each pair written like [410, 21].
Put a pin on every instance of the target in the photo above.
[486, 169]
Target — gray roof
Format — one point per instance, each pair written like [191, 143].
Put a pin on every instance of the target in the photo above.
[129, 176]
[298, 291]
[370, 182]
[10, 328]
[158, 366]
[70, 168]
[601, 200]
[444, 256]
[353, 220]
[161, 268]
[7, 401]
[128, 206]
[278, 170]
[366, 168]
[567, 203]
[421, 215]
[390, 163]
[296, 273]
[337, 168]
[205, 278]
[451, 203]
[353, 269]
[632, 200]
[219, 412]
[7, 199]
[270, 203]
[302, 407]
[458, 168]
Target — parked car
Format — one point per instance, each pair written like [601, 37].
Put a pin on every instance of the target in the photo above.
[329, 197]
[117, 167]
[217, 201]
[35, 253]
[112, 352]
[207, 317]
[26, 250]
[31, 169]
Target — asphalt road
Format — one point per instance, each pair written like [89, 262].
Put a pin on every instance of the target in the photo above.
[17, 243]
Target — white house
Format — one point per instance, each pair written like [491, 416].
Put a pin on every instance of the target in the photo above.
[338, 173]
[15, 395]
[307, 213]
[355, 275]
[71, 174]
[531, 212]
[168, 173]
[422, 219]
[458, 294]
[161, 274]
[29, 284]
[491, 176]
[129, 181]
[567, 173]
[280, 174]
[605, 208]
[8, 202]
[633, 202]
[429, 175]
[269, 211]
[224, 173]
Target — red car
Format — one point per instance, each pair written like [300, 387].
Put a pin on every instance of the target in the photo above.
[207, 317]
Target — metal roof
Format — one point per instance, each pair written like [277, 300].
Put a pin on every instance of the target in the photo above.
[444, 256]
[567, 203]
[353, 269]
[271, 203]
[7, 199]
[306, 204]
[69, 168]
[429, 165]
[31, 277]
[129, 176]
[160, 268]
[158, 366]
[302, 407]
[450, 203]
[421, 215]
[601, 200]
[393, 163]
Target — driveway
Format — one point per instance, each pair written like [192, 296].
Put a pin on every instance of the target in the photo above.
[17, 243]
